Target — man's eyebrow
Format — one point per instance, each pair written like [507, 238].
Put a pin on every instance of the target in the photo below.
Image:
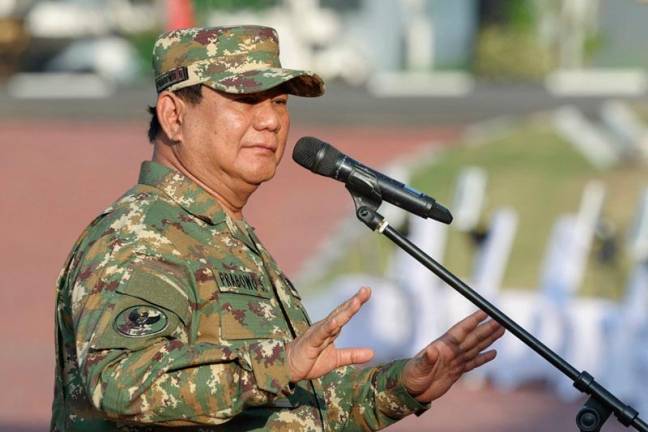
[249, 97]
[256, 95]
[245, 97]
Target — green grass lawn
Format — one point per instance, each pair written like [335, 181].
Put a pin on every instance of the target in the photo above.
[538, 174]
[642, 110]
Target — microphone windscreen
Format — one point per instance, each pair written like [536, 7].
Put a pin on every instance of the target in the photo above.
[316, 155]
[305, 151]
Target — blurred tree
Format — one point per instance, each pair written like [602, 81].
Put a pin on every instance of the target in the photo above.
[204, 6]
[143, 44]
[518, 14]
[14, 40]
[577, 31]
[508, 47]
[341, 5]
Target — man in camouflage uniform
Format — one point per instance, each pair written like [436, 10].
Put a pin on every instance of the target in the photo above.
[170, 312]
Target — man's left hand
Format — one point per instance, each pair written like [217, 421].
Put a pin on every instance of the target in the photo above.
[436, 368]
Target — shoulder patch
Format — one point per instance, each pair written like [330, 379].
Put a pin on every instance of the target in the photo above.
[141, 320]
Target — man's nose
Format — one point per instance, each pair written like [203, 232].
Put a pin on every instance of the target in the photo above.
[267, 116]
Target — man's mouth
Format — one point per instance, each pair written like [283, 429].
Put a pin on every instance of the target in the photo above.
[262, 148]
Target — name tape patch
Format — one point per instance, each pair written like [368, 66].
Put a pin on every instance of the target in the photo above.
[242, 281]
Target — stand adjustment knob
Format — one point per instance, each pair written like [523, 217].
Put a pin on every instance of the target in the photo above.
[588, 420]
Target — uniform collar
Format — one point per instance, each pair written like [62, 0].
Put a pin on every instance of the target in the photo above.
[184, 191]
[194, 199]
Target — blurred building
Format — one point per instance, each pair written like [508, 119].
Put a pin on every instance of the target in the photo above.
[347, 39]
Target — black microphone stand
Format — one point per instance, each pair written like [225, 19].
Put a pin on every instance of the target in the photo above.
[600, 404]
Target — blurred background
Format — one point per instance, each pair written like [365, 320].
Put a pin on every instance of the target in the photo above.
[527, 118]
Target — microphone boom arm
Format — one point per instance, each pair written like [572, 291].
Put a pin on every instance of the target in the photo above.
[601, 402]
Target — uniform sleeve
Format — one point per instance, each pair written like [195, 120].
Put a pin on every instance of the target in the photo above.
[368, 399]
[133, 330]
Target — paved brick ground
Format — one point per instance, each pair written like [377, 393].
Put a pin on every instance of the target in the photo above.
[55, 176]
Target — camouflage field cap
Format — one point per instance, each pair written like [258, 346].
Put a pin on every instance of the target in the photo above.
[241, 59]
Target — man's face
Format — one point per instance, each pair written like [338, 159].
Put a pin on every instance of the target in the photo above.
[235, 137]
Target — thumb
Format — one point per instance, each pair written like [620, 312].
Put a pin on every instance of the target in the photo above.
[428, 359]
[417, 370]
[350, 356]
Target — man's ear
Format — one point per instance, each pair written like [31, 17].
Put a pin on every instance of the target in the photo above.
[170, 112]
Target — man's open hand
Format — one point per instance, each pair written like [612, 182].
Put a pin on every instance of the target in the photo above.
[436, 368]
[313, 354]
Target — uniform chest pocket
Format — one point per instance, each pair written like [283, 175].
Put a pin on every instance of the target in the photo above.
[247, 306]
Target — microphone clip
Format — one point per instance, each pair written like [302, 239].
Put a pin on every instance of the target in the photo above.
[362, 186]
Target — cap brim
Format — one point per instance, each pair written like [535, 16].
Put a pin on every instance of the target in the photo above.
[297, 82]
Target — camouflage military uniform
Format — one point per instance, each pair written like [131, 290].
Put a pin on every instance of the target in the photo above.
[172, 313]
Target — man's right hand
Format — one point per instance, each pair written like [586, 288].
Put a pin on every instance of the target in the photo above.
[314, 354]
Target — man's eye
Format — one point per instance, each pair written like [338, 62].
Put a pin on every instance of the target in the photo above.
[281, 101]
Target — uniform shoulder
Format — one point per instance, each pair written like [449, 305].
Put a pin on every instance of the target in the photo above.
[130, 221]
[141, 205]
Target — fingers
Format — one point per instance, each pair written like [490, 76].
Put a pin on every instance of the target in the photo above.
[324, 332]
[350, 356]
[464, 327]
[461, 347]
[361, 296]
[343, 313]
[328, 329]
[480, 360]
[482, 333]
[484, 341]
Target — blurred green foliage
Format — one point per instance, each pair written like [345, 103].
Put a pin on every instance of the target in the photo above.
[507, 45]
[534, 171]
[541, 176]
[516, 14]
[143, 44]
[509, 54]
[204, 6]
[641, 108]
[519, 14]
[594, 42]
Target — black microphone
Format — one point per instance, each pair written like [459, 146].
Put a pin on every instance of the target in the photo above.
[326, 160]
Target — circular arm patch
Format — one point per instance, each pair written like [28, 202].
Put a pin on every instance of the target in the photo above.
[141, 320]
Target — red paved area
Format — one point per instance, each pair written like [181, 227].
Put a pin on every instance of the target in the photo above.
[487, 410]
[56, 176]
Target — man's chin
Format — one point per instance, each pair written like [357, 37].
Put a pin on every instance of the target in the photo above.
[259, 177]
